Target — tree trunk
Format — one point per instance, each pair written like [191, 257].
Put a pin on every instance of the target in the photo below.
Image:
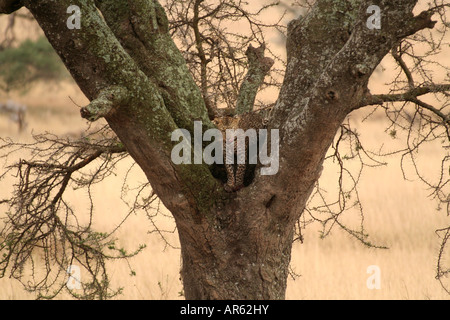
[244, 253]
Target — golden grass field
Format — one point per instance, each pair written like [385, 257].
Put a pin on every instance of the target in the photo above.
[398, 214]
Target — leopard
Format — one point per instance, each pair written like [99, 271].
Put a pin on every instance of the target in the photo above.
[245, 121]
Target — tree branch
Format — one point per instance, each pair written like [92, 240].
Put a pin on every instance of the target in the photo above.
[445, 118]
[259, 66]
[405, 96]
[203, 60]
[397, 54]
[104, 104]
[40, 220]
[411, 96]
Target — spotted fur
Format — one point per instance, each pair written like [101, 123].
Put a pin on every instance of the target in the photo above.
[236, 174]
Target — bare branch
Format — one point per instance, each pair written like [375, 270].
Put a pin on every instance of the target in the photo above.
[445, 118]
[442, 270]
[201, 54]
[216, 55]
[397, 54]
[259, 66]
[419, 22]
[8, 40]
[41, 222]
[405, 96]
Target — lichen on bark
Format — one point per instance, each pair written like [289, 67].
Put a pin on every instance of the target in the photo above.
[158, 57]
[107, 100]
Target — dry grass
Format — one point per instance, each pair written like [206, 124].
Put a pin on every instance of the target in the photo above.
[398, 215]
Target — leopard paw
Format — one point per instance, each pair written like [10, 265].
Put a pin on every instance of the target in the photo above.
[228, 188]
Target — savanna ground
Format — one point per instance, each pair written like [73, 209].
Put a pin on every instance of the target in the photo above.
[397, 214]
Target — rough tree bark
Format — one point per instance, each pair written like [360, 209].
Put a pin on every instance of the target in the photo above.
[238, 245]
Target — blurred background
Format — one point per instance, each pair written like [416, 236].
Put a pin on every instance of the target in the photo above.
[37, 95]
